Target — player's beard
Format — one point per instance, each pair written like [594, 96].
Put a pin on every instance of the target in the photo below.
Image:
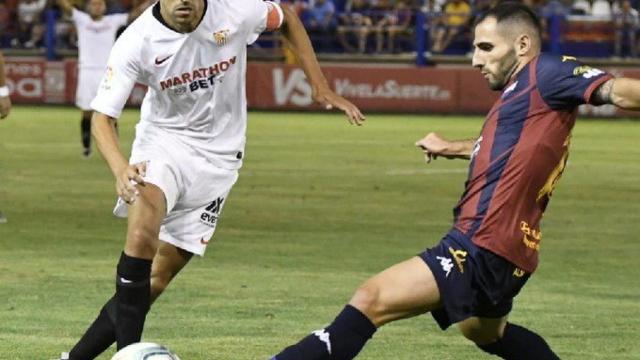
[506, 69]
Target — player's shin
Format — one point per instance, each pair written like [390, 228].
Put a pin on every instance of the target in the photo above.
[342, 340]
[100, 335]
[519, 343]
[132, 298]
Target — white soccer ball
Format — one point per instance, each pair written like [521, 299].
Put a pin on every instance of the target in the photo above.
[145, 351]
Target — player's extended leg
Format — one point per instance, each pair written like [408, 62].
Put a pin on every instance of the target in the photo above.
[133, 280]
[167, 263]
[404, 290]
[506, 340]
[85, 133]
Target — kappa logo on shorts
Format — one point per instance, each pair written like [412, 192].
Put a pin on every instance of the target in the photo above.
[210, 215]
[446, 264]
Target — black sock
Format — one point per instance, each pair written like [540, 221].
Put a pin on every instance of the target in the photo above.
[100, 335]
[342, 340]
[85, 131]
[132, 298]
[518, 343]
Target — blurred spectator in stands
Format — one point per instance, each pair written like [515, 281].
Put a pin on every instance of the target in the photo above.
[395, 21]
[319, 20]
[455, 20]
[5, 24]
[601, 9]
[30, 28]
[355, 21]
[626, 22]
[581, 7]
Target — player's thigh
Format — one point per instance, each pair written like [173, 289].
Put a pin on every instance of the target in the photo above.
[482, 330]
[144, 220]
[167, 263]
[403, 290]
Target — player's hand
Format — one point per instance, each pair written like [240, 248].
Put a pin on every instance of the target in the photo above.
[433, 145]
[329, 100]
[127, 180]
[5, 106]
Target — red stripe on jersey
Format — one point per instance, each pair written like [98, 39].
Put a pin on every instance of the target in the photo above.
[478, 177]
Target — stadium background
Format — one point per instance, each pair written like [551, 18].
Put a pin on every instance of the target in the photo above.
[319, 206]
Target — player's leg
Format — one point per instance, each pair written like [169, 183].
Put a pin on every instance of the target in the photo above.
[506, 340]
[167, 263]
[85, 133]
[133, 280]
[404, 290]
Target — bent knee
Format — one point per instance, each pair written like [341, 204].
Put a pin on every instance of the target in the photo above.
[479, 335]
[367, 299]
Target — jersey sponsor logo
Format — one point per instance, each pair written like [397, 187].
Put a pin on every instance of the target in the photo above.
[210, 215]
[160, 61]
[587, 72]
[325, 338]
[221, 37]
[531, 237]
[446, 264]
[200, 78]
[552, 181]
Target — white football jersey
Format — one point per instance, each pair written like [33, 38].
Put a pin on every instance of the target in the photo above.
[95, 38]
[196, 80]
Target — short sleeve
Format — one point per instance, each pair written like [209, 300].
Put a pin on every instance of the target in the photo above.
[262, 15]
[565, 83]
[119, 20]
[123, 71]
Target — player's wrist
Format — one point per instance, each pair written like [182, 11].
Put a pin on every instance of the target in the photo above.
[4, 91]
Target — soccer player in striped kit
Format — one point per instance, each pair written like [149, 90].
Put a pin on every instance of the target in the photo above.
[472, 275]
[189, 142]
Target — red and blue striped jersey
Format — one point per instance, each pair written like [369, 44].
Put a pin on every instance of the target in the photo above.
[520, 155]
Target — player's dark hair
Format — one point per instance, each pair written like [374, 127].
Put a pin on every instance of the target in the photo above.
[512, 11]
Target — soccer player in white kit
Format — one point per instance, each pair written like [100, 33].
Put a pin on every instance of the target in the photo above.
[189, 142]
[96, 35]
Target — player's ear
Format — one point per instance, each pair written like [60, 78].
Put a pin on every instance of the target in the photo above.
[523, 44]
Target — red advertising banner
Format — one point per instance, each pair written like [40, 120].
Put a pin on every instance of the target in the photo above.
[372, 87]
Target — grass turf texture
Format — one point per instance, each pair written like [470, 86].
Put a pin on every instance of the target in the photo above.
[319, 207]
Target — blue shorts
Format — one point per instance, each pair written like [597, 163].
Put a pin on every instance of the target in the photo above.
[472, 281]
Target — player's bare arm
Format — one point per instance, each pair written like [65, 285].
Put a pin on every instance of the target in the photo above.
[622, 92]
[65, 6]
[295, 34]
[104, 132]
[5, 102]
[434, 145]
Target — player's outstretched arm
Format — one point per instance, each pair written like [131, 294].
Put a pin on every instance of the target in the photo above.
[5, 102]
[622, 92]
[295, 33]
[104, 132]
[434, 145]
[65, 6]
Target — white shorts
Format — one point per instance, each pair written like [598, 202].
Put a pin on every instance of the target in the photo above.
[195, 190]
[87, 88]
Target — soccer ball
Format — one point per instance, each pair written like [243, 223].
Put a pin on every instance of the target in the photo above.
[145, 351]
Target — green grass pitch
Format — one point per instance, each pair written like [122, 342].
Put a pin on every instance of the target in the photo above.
[319, 207]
